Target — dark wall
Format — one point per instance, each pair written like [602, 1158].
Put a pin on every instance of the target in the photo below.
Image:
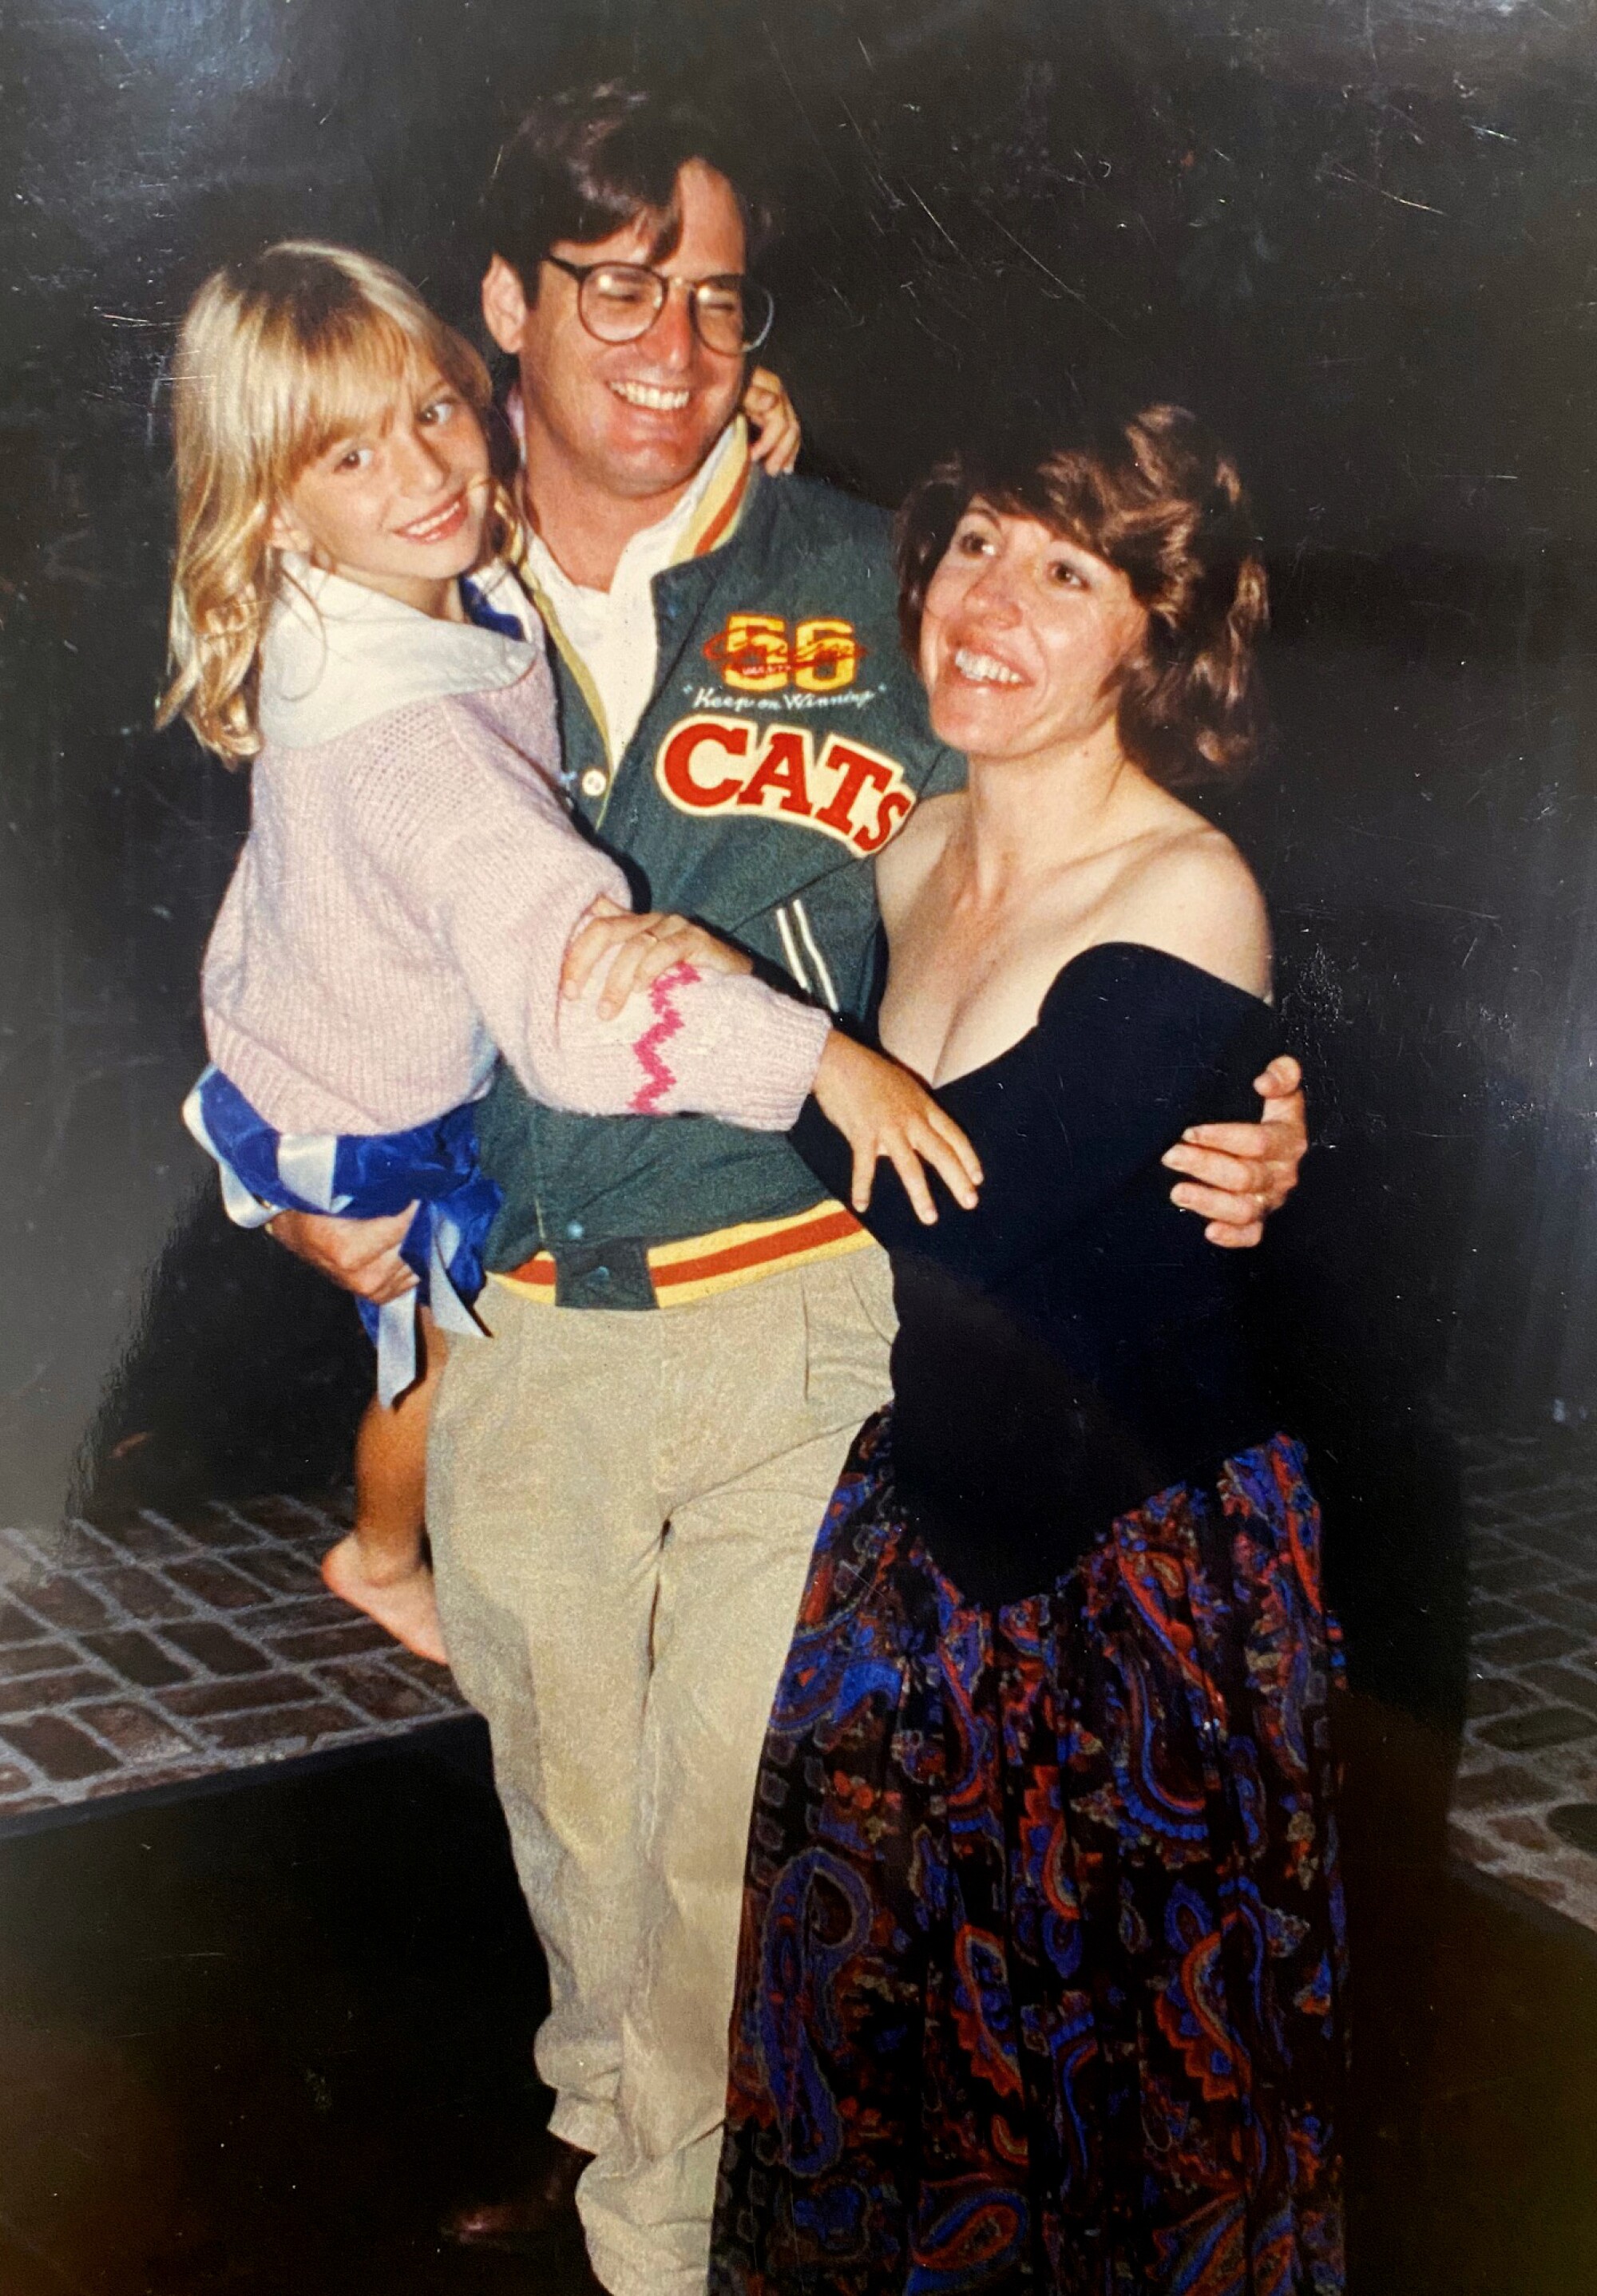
[1362, 238]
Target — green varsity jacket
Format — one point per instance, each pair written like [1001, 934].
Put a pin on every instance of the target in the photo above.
[786, 739]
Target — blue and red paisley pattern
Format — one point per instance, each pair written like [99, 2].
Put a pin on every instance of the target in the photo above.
[1041, 1981]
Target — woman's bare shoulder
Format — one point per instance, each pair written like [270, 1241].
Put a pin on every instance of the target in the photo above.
[903, 866]
[1193, 896]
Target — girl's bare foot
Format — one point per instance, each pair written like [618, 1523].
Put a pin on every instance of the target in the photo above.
[407, 1606]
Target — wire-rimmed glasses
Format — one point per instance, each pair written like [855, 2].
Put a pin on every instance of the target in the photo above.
[618, 302]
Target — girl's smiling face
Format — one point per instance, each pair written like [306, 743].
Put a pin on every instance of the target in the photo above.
[399, 507]
[1024, 637]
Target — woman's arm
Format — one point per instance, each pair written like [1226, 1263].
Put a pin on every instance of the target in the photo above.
[1127, 1050]
[1199, 900]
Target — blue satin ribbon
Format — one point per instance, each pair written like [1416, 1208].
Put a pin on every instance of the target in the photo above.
[360, 1176]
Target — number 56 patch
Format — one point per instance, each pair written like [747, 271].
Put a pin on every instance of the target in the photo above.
[755, 653]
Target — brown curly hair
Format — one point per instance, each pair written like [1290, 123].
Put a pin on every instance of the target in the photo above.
[1155, 495]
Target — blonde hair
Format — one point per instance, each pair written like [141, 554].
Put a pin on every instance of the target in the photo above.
[279, 358]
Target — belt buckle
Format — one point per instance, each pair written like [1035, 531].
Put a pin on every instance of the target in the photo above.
[614, 1274]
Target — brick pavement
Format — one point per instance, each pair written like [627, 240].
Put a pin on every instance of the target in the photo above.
[162, 1648]
[1524, 1805]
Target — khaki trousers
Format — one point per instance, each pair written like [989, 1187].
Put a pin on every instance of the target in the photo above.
[622, 1508]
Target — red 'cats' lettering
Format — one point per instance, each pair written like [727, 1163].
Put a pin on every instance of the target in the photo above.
[860, 767]
[781, 768]
[718, 765]
[677, 756]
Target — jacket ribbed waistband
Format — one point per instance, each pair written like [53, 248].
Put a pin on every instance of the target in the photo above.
[627, 1274]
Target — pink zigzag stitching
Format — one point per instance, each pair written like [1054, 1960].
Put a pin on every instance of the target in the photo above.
[667, 1023]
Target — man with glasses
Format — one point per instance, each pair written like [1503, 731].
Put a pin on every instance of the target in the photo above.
[626, 1484]
[618, 302]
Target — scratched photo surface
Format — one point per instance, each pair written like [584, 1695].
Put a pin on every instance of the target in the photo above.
[1360, 238]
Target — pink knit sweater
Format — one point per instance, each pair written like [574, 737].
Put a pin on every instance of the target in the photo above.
[404, 900]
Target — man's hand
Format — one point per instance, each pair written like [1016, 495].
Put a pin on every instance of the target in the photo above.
[363, 1256]
[1238, 1174]
[640, 946]
[774, 433]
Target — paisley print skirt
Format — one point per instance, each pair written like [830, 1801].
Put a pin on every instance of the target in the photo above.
[1042, 1981]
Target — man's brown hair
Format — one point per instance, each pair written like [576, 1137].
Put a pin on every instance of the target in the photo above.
[586, 163]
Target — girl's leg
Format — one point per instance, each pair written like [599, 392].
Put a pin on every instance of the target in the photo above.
[380, 1567]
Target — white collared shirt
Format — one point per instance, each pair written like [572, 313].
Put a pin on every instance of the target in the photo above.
[612, 632]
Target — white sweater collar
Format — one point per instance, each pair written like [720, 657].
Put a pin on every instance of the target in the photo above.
[336, 654]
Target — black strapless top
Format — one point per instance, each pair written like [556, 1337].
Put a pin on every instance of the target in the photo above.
[1074, 1345]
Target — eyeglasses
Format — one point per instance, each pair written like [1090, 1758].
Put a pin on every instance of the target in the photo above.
[618, 302]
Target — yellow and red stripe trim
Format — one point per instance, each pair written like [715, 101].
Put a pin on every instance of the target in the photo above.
[722, 506]
[699, 1266]
[714, 520]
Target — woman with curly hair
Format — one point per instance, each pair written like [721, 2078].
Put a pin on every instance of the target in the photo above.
[1041, 1978]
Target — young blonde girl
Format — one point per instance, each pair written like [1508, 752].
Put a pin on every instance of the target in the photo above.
[407, 900]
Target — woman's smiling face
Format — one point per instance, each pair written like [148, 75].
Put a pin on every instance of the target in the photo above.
[1024, 637]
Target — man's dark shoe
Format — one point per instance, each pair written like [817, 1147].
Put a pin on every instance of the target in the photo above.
[544, 2209]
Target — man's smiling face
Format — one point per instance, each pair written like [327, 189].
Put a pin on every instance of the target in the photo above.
[633, 419]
